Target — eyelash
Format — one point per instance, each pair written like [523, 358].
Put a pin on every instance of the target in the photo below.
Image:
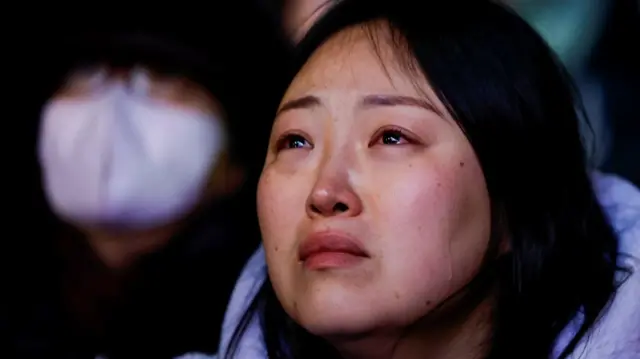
[282, 142]
[403, 134]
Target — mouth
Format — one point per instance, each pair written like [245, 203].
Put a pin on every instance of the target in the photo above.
[331, 250]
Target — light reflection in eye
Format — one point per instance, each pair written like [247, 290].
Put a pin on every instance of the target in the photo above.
[291, 141]
[391, 138]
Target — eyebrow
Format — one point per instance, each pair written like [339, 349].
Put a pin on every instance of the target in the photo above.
[299, 103]
[395, 100]
[307, 102]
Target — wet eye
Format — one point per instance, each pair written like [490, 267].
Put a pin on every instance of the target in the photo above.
[391, 137]
[292, 141]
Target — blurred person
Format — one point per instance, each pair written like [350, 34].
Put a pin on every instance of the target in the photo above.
[148, 145]
[596, 40]
[469, 118]
[572, 29]
[614, 63]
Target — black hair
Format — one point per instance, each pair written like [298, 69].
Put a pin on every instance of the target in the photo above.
[517, 107]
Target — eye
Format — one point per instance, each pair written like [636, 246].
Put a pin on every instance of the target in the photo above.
[292, 141]
[390, 137]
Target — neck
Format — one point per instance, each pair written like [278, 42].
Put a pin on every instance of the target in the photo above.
[442, 336]
[118, 250]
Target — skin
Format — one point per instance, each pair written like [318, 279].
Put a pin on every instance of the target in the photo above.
[119, 249]
[359, 149]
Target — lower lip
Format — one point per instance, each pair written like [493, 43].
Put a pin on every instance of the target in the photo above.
[331, 260]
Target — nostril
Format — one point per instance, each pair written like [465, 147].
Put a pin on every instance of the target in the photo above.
[315, 209]
[340, 207]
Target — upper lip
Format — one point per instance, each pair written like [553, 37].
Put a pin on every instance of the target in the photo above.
[330, 241]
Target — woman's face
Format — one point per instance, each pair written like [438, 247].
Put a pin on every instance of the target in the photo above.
[372, 203]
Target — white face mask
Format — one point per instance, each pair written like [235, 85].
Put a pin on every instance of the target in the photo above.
[121, 158]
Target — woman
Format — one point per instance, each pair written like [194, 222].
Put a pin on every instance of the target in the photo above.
[149, 146]
[437, 200]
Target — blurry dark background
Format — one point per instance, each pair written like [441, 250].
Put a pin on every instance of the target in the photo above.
[598, 40]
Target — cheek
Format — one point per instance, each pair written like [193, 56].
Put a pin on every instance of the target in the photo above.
[281, 199]
[276, 210]
[435, 223]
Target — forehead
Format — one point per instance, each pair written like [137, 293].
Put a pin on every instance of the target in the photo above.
[352, 61]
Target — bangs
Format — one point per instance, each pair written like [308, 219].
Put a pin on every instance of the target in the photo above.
[392, 48]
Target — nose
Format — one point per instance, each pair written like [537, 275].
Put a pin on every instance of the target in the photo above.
[333, 195]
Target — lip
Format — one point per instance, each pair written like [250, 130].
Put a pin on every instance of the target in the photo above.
[331, 249]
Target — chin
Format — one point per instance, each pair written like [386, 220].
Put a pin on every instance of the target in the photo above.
[335, 315]
[337, 324]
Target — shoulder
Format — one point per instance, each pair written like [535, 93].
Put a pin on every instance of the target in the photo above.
[247, 287]
[617, 333]
[194, 356]
[621, 202]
